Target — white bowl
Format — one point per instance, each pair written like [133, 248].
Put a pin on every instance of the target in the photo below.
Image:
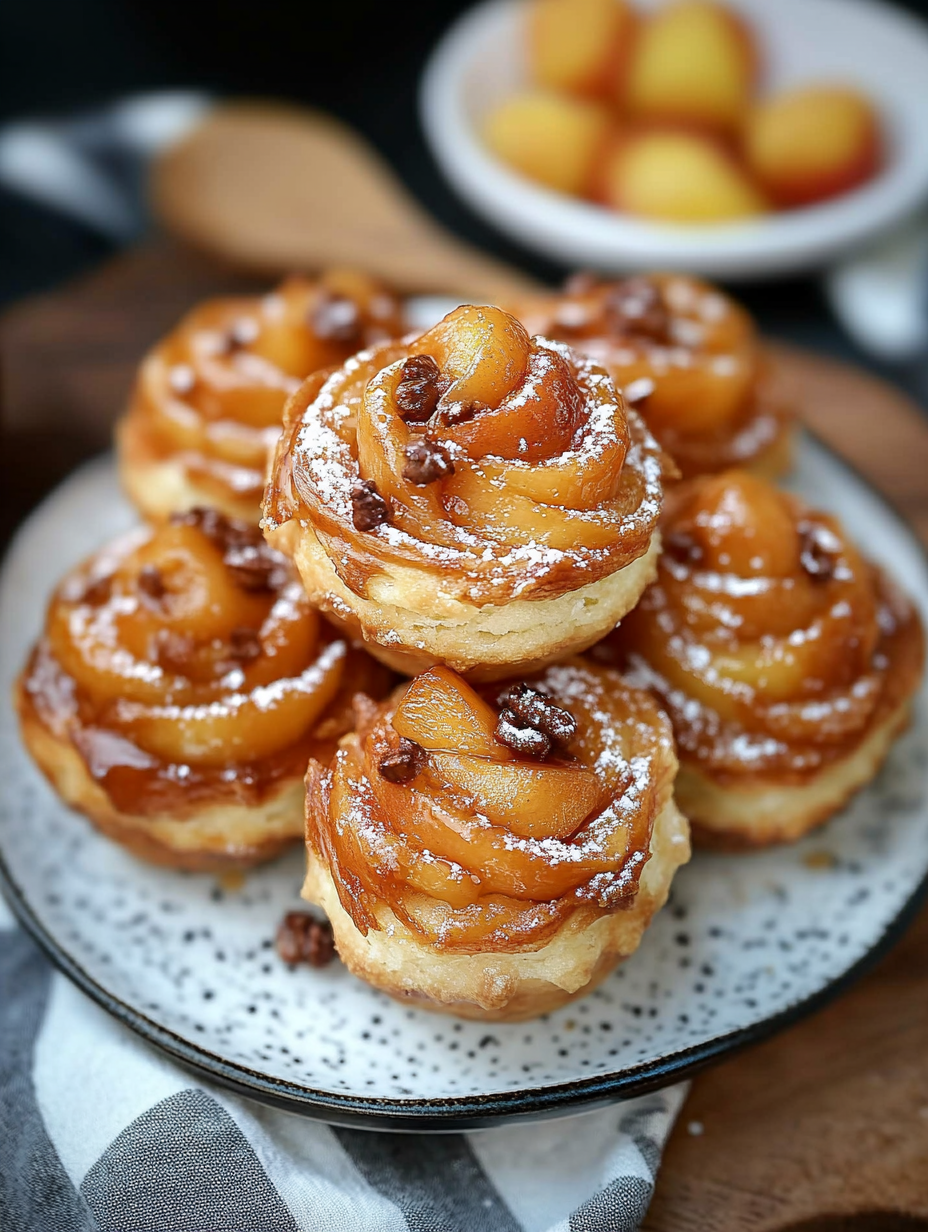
[481, 61]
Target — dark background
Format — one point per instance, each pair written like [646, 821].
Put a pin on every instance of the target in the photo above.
[359, 58]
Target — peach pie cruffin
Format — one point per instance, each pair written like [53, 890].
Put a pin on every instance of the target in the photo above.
[180, 684]
[477, 508]
[786, 661]
[495, 854]
[473, 497]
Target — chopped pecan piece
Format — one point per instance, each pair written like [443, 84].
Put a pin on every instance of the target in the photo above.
[535, 709]
[458, 413]
[368, 508]
[242, 334]
[426, 462]
[209, 521]
[520, 738]
[252, 567]
[404, 763]
[244, 644]
[150, 583]
[171, 650]
[816, 554]
[301, 938]
[419, 388]
[336, 318]
[682, 547]
[634, 307]
[97, 590]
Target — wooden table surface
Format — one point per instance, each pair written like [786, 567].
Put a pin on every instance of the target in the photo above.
[824, 1126]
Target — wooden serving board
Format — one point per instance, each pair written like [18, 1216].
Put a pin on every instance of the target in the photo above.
[824, 1127]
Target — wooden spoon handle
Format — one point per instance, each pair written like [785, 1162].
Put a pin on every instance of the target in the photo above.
[273, 188]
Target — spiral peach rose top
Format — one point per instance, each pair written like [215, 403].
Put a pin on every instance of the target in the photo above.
[483, 821]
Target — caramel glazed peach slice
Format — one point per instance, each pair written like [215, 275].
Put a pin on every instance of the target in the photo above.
[495, 854]
[472, 497]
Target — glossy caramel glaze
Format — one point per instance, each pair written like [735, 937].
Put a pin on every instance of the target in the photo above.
[187, 668]
[209, 398]
[685, 355]
[485, 849]
[553, 486]
[774, 646]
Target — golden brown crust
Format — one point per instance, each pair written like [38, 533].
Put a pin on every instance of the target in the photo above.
[206, 407]
[483, 643]
[726, 817]
[548, 489]
[159, 482]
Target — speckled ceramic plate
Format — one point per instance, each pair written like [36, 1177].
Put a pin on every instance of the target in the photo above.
[746, 945]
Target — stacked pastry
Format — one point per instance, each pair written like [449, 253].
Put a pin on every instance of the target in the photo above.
[476, 508]
[477, 502]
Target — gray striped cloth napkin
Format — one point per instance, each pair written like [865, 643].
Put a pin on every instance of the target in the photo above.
[101, 1133]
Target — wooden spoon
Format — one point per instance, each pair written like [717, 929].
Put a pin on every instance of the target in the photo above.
[276, 188]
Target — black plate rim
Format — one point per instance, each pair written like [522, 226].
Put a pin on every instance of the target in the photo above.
[454, 1114]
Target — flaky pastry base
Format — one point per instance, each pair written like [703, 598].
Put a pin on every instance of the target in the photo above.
[501, 987]
[208, 838]
[727, 817]
[407, 609]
